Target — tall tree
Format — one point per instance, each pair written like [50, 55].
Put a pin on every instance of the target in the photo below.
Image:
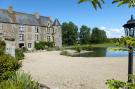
[69, 33]
[84, 35]
[97, 3]
[98, 36]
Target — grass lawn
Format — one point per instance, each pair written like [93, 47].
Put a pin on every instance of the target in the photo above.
[104, 45]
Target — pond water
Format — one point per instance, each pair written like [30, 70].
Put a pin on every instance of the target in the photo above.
[105, 52]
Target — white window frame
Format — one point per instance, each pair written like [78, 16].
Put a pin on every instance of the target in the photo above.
[21, 28]
[36, 37]
[21, 37]
[29, 45]
[48, 38]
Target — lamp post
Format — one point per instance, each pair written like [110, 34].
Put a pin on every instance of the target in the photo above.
[130, 31]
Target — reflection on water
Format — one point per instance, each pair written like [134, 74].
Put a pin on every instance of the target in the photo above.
[105, 52]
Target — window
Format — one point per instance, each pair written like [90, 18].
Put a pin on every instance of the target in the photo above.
[21, 28]
[37, 30]
[1, 30]
[48, 30]
[53, 30]
[29, 45]
[21, 37]
[48, 24]
[48, 38]
[36, 37]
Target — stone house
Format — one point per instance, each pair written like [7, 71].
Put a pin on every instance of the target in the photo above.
[26, 29]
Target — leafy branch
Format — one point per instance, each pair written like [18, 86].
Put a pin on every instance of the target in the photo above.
[98, 3]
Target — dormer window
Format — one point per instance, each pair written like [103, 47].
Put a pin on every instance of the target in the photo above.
[21, 28]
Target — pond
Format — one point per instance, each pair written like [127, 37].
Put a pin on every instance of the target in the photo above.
[105, 52]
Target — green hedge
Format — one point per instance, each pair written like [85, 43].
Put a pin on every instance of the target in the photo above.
[19, 55]
[8, 66]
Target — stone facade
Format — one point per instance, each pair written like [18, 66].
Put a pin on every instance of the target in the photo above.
[26, 29]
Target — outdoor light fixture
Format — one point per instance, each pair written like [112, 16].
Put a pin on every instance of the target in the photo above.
[130, 31]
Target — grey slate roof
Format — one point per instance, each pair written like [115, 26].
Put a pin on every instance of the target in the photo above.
[23, 18]
[4, 17]
[56, 23]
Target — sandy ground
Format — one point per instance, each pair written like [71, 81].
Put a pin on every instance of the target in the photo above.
[62, 72]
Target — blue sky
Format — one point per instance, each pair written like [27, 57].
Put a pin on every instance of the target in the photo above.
[110, 18]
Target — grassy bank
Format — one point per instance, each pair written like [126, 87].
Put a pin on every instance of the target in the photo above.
[104, 45]
[92, 45]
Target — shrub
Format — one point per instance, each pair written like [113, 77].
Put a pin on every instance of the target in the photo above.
[64, 52]
[2, 47]
[117, 84]
[49, 44]
[78, 49]
[8, 66]
[40, 45]
[57, 48]
[24, 49]
[19, 54]
[20, 81]
[50, 49]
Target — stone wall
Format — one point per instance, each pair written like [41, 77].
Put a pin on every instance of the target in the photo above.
[53, 34]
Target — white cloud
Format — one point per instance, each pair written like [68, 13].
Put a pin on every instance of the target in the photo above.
[113, 32]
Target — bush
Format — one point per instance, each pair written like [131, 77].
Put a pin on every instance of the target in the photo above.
[2, 47]
[78, 49]
[66, 53]
[49, 44]
[19, 54]
[8, 66]
[20, 81]
[24, 49]
[57, 48]
[40, 45]
[117, 84]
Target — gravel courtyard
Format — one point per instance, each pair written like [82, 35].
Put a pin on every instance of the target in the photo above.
[62, 72]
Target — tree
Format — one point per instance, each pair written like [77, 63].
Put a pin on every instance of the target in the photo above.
[84, 35]
[98, 36]
[97, 3]
[127, 41]
[69, 33]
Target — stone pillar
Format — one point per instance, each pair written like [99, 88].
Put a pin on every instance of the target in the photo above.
[10, 47]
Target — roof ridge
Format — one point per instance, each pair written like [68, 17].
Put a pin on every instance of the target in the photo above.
[24, 13]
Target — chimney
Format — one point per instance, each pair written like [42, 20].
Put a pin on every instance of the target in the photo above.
[10, 9]
[37, 15]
